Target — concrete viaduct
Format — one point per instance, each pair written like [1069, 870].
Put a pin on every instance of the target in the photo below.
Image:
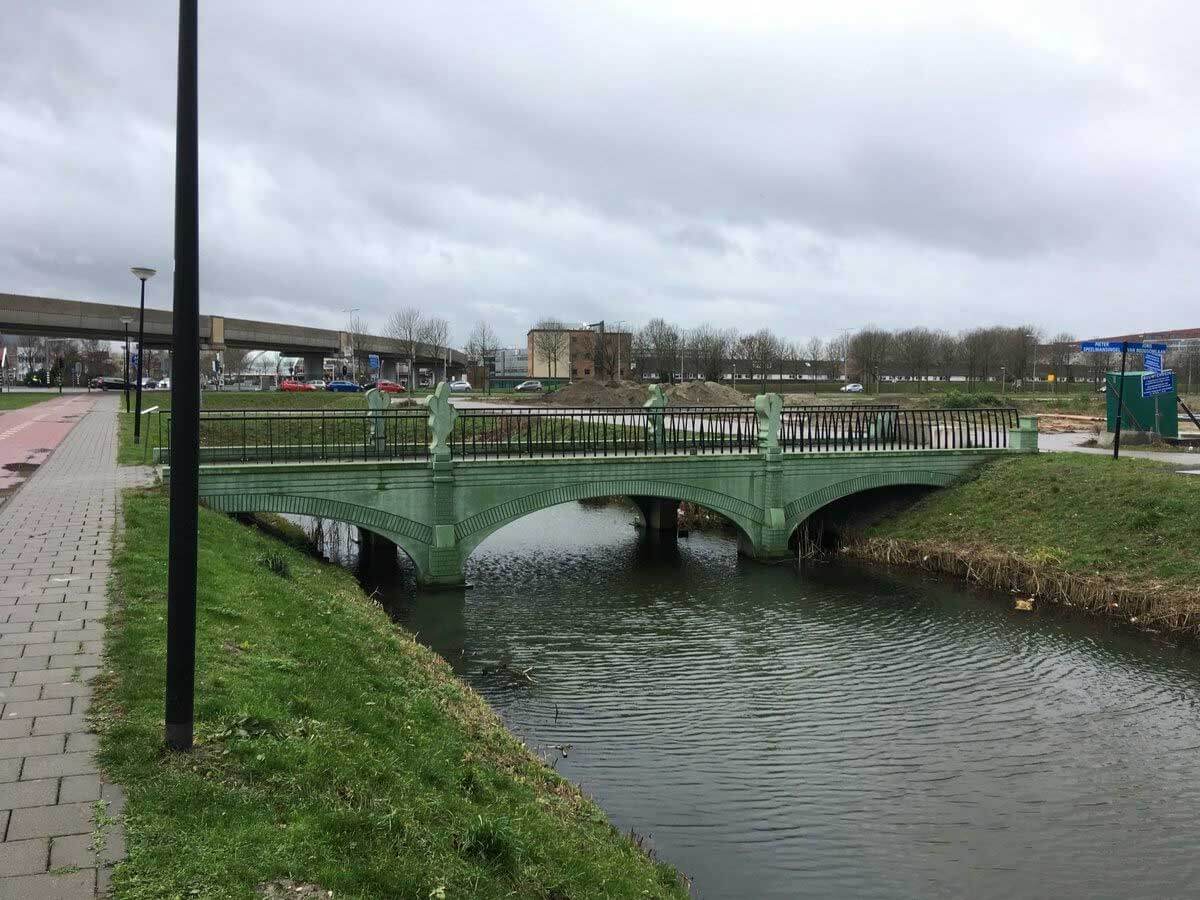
[20, 314]
[440, 504]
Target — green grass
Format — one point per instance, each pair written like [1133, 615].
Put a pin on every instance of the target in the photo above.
[21, 399]
[332, 749]
[1131, 522]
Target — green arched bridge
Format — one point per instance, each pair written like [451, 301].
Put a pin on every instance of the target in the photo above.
[437, 481]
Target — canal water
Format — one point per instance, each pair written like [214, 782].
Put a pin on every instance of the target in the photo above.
[843, 731]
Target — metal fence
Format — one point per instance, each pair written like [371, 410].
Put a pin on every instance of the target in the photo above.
[305, 435]
[803, 429]
[610, 431]
[315, 435]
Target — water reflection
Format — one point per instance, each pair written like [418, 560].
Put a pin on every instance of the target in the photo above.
[841, 732]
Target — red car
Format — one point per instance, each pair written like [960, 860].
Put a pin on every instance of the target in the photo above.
[291, 384]
[389, 387]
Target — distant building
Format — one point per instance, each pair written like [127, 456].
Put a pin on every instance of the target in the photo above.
[511, 362]
[1175, 339]
[578, 353]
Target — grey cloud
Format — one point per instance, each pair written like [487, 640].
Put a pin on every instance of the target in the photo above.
[581, 160]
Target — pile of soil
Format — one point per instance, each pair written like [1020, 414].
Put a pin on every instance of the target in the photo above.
[705, 393]
[599, 393]
[1051, 423]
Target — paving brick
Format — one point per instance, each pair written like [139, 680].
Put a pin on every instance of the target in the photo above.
[19, 794]
[73, 850]
[24, 857]
[59, 764]
[70, 689]
[50, 821]
[79, 789]
[26, 708]
[45, 676]
[66, 886]
[31, 746]
[80, 741]
[16, 728]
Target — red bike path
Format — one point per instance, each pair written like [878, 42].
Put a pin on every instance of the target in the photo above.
[28, 436]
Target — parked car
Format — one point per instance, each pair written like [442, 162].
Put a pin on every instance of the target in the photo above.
[529, 386]
[346, 387]
[291, 384]
[318, 384]
[460, 386]
[164, 385]
[112, 383]
[853, 388]
[388, 387]
[96, 383]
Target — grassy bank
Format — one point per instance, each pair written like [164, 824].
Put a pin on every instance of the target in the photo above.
[21, 399]
[1119, 538]
[332, 749]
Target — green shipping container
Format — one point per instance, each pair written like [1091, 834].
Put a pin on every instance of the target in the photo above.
[1159, 414]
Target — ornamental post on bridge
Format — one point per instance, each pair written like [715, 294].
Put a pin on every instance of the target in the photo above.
[1024, 438]
[773, 538]
[445, 562]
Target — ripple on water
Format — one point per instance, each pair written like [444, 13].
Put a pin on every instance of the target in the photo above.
[841, 732]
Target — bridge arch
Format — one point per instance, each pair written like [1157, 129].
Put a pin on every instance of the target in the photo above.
[471, 532]
[412, 537]
[797, 511]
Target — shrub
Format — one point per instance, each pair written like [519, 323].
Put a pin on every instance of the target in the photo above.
[277, 563]
[956, 399]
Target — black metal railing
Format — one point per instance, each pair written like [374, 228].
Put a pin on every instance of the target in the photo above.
[613, 431]
[803, 429]
[305, 435]
[314, 435]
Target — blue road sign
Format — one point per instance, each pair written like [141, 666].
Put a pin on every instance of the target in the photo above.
[1117, 346]
[133, 358]
[1163, 383]
[1152, 360]
[373, 360]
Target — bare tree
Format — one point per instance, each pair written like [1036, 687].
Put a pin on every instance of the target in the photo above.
[551, 338]
[837, 358]
[711, 349]
[662, 339]
[868, 352]
[1061, 351]
[947, 351]
[764, 352]
[437, 339]
[407, 326]
[914, 349]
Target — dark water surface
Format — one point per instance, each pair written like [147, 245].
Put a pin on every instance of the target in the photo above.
[841, 732]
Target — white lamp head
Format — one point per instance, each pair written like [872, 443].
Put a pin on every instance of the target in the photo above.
[142, 272]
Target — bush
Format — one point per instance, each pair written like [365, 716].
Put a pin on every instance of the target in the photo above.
[956, 399]
[277, 563]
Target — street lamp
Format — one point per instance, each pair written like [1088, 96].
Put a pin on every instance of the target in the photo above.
[141, 273]
[350, 311]
[125, 320]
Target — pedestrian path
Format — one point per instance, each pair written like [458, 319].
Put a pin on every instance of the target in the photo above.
[30, 434]
[56, 537]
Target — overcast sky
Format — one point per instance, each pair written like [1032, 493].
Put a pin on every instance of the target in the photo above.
[802, 165]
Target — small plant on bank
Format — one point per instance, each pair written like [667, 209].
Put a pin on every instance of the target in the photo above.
[277, 563]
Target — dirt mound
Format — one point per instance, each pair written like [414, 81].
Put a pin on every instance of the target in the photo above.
[705, 393]
[599, 393]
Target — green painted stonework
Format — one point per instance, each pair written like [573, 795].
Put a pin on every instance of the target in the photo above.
[438, 510]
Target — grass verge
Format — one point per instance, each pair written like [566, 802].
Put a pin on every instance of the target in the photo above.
[1115, 537]
[332, 749]
[20, 399]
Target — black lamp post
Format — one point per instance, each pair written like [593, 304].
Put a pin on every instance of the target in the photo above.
[125, 320]
[141, 273]
[185, 401]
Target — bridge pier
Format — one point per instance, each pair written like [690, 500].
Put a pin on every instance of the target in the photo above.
[660, 516]
[314, 366]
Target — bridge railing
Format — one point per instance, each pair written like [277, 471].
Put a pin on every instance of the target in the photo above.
[804, 429]
[612, 431]
[306, 435]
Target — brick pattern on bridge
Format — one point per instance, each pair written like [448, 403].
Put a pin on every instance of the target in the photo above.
[56, 539]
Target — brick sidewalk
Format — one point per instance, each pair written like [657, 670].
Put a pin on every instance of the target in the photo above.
[56, 540]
